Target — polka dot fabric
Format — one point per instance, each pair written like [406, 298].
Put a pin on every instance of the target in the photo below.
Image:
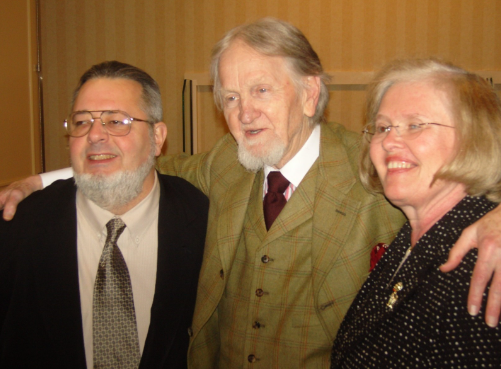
[116, 343]
[427, 324]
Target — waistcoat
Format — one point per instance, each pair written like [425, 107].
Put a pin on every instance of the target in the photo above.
[267, 313]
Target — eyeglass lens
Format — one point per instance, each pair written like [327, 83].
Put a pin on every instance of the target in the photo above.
[408, 131]
[117, 123]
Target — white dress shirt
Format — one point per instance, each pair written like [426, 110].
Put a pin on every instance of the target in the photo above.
[52, 176]
[299, 165]
[138, 244]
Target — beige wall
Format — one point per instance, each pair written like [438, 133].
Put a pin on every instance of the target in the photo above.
[169, 38]
[19, 131]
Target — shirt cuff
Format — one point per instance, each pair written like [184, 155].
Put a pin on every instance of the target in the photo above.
[49, 177]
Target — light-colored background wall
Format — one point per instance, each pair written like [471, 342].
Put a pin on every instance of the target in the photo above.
[19, 140]
[169, 38]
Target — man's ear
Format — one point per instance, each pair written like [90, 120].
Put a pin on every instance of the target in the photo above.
[311, 92]
[160, 130]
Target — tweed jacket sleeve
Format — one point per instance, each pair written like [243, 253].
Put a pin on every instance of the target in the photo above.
[206, 169]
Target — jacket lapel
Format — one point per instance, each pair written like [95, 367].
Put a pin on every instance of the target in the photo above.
[232, 216]
[255, 212]
[335, 211]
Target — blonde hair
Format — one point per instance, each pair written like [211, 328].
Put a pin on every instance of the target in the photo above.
[477, 116]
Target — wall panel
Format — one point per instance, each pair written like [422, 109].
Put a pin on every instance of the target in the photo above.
[169, 38]
[20, 153]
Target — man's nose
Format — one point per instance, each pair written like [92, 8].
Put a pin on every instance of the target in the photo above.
[248, 111]
[97, 132]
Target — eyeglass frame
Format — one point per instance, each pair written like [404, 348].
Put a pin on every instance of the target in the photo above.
[387, 130]
[132, 119]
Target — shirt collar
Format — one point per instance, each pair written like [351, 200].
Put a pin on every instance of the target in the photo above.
[137, 219]
[300, 164]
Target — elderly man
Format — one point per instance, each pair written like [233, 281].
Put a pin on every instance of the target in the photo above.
[104, 274]
[291, 227]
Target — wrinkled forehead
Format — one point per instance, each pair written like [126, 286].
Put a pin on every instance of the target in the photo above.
[241, 65]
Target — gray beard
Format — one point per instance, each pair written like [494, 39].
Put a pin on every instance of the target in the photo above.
[255, 163]
[113, 191]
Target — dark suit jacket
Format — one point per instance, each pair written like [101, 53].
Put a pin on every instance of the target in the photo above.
[428, 326]
[40, 316]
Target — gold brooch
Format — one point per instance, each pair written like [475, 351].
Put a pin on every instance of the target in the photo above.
[394, 296]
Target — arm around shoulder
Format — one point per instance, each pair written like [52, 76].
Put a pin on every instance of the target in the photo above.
[199, 168]
[17, 191]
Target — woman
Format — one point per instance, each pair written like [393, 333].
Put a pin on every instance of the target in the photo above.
[434, 148]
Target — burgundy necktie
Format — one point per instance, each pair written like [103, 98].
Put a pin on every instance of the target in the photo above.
[274, 200]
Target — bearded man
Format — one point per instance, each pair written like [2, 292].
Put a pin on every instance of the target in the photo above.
[104, 274]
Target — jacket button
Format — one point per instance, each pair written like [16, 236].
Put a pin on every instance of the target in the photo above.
[259, 292]
[190, 332]
[221, 273]
[265, 259]
[251, 358]
[256, 325]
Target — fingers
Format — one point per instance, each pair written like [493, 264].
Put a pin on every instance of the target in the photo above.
[481, 276]
[17, 191]
[466, 242]
[493, 309]
[486, 235]
[10, 200]
[487, 268]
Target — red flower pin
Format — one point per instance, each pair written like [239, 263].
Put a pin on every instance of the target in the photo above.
[376, 254]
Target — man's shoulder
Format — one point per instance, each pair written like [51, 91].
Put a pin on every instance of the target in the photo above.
[48, 199]
[182, 189]
[339, 145]
[336, 131]
[48, 206]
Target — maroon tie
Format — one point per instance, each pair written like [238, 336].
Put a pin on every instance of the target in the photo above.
[274, 200]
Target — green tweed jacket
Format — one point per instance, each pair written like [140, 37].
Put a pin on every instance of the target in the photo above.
[347, 223]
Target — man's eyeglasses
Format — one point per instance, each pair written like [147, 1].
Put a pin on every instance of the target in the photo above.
[408, 131]
[116, 122]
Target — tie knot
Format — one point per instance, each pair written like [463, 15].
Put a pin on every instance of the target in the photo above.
[114, 227]
[277, 182]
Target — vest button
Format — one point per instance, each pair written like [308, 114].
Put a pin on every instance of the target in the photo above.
[251, 358]
[259, 292]
[190, 332]
[221, 273]
[256, 325]
[265, 259]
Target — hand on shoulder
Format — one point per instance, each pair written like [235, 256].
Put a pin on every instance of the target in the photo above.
[17, 191]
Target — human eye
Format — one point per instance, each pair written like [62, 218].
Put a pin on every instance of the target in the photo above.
[115, 119]
[81, 119]
[414, 127]
[261, 91]
[115, 122]
[381, 128]
[230, 100]
[80, 123]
